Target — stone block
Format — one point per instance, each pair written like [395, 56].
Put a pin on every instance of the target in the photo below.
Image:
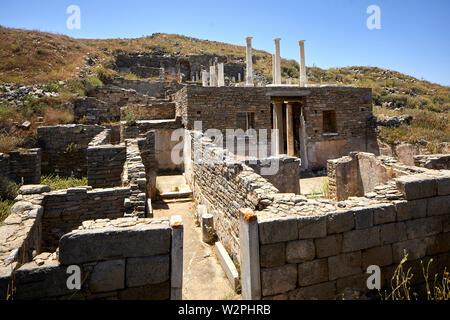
[108, 243]
[278, 280]
[393, 232]
[443, 185]
[33, 282]
[300, 251]
[147, 270]
[278, 230]
[321, 291]
[424, 227]
[407, 210]
[417, 186]
[312, 227]
[380, 256]
[363, 217]
[108, 276]
[160, 291]
[415, 249]
[340, 221]
[272, 255]
[383, 213]
[361, 239]
[343, 265]
[440, 243]
[328, 246]
[312, 272]
[357, 282]
[438, 206]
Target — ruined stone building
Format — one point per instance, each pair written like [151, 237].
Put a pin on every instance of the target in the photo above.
[287, 246]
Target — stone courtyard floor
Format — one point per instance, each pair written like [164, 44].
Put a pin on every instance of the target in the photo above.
[203, 277]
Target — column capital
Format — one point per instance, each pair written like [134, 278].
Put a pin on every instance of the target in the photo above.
[301, 41]
[277, 39]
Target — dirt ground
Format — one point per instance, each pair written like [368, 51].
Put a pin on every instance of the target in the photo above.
[203, 277]
[312, 185]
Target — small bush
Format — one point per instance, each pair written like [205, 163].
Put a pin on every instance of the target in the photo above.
[5, 207]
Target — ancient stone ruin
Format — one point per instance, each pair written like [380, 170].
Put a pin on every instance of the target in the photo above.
[286, 245]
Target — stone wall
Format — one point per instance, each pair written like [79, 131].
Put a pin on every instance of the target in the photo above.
[66, 210]
[433, 161]
[156, 89]
[224, 186]
[21, 166]
[94, 111]
[105, 165]
[134, 176]
[158, 110]
[112, 261]
[287, 177]
[64, 148]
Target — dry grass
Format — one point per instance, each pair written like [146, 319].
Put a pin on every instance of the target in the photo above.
[30, 57]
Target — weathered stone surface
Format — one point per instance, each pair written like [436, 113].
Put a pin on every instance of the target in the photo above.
[380, 256]
[328, 246]
[278, 230]
[108, 276]
[33, 282]
[363, 217]
[312, 272]
[417, 186]
[148, 270]
[321, 291]
[384, 213]
[415, 249]
[443, 185]
[393, 232]
[411, 209]
[105, 243]
[438, 206]
[355, 282]
[278, 280]
[361, 239]
[159, 291]
[33, 189]
[421, 228]
[440, 243]
[344, 265]
[312, 227]
[338, 222]
[272, 255]
[300, 251]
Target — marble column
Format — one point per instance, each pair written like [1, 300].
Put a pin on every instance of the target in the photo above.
[278, 124]
[220, 75]
[302, 63]
[205, 76]
[277, 61]
[290, 129]
[273, 69]
[212, 76]
[249, 76]
[303, 142]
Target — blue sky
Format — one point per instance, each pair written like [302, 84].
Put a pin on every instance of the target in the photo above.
[413, 39]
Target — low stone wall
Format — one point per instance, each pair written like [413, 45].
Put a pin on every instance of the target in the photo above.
[287, 177]
[157, 89]
[322, 256]
[134, 176]
[112, 260]
[21, 166]
[66, 210]
[105, 165]
[64, 148]
[158, 110]
[433, 161]
[94, 111]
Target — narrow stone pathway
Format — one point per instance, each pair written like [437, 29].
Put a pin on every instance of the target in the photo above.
[203, 277]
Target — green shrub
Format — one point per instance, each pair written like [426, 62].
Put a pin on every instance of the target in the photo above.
[56, 182]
